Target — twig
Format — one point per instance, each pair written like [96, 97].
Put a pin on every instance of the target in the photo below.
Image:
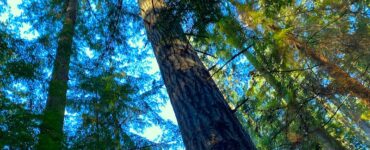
[239, 105]
[330, 23]
[205, 53]
[292, 70]
[232, 58]
[335, 113]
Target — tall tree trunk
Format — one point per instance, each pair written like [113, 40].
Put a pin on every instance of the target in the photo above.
[51, 135]
[205, 119]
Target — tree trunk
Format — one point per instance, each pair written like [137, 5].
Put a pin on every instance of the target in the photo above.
[51, 134]
[205, 119]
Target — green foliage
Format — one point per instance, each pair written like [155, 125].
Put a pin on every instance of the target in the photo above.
[108, 111]
[273, 7]
[285, 81]
[16, 125]
[21, 69]
[231, 28]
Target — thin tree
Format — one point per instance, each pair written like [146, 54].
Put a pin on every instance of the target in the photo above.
[51, 129]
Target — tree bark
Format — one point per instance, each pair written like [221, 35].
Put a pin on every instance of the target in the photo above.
[51, 130]
[205, 119]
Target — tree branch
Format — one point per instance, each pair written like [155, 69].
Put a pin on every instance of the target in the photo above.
[205, 53]
[292, 70]
[239, 105]
[232, 58]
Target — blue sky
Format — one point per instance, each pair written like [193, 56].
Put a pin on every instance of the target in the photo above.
[150, 133]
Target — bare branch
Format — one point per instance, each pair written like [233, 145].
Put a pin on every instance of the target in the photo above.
[292, 70]
[239, 105]
[205, 53]
[232, 58]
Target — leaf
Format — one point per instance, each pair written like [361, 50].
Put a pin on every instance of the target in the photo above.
[21, 69]
[366, 115]
[294, 137]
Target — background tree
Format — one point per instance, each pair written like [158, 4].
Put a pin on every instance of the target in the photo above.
[51, 130]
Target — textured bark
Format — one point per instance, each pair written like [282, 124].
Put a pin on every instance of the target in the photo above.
[51, 134]
[205, 119]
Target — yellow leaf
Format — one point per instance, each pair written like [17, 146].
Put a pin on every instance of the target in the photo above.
[294, 137]
[365, 116]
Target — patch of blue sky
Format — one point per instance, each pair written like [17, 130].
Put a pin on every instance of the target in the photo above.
[89, 53]
[325, 82]
[224, 9]
[310, 5]
[188, 23]
[231, 8]
[354, 7]
[25, 28]
[151, 133]
[27, 33]
[367, 11]
[352, 75]
[341, 55]
[298, 2]
[137, 42]
[19, 86]
[260, 28]
[167, 111]
[72, 120]
[352, 24]
[15, 92]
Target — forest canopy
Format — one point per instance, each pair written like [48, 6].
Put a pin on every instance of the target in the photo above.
[184, 74]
